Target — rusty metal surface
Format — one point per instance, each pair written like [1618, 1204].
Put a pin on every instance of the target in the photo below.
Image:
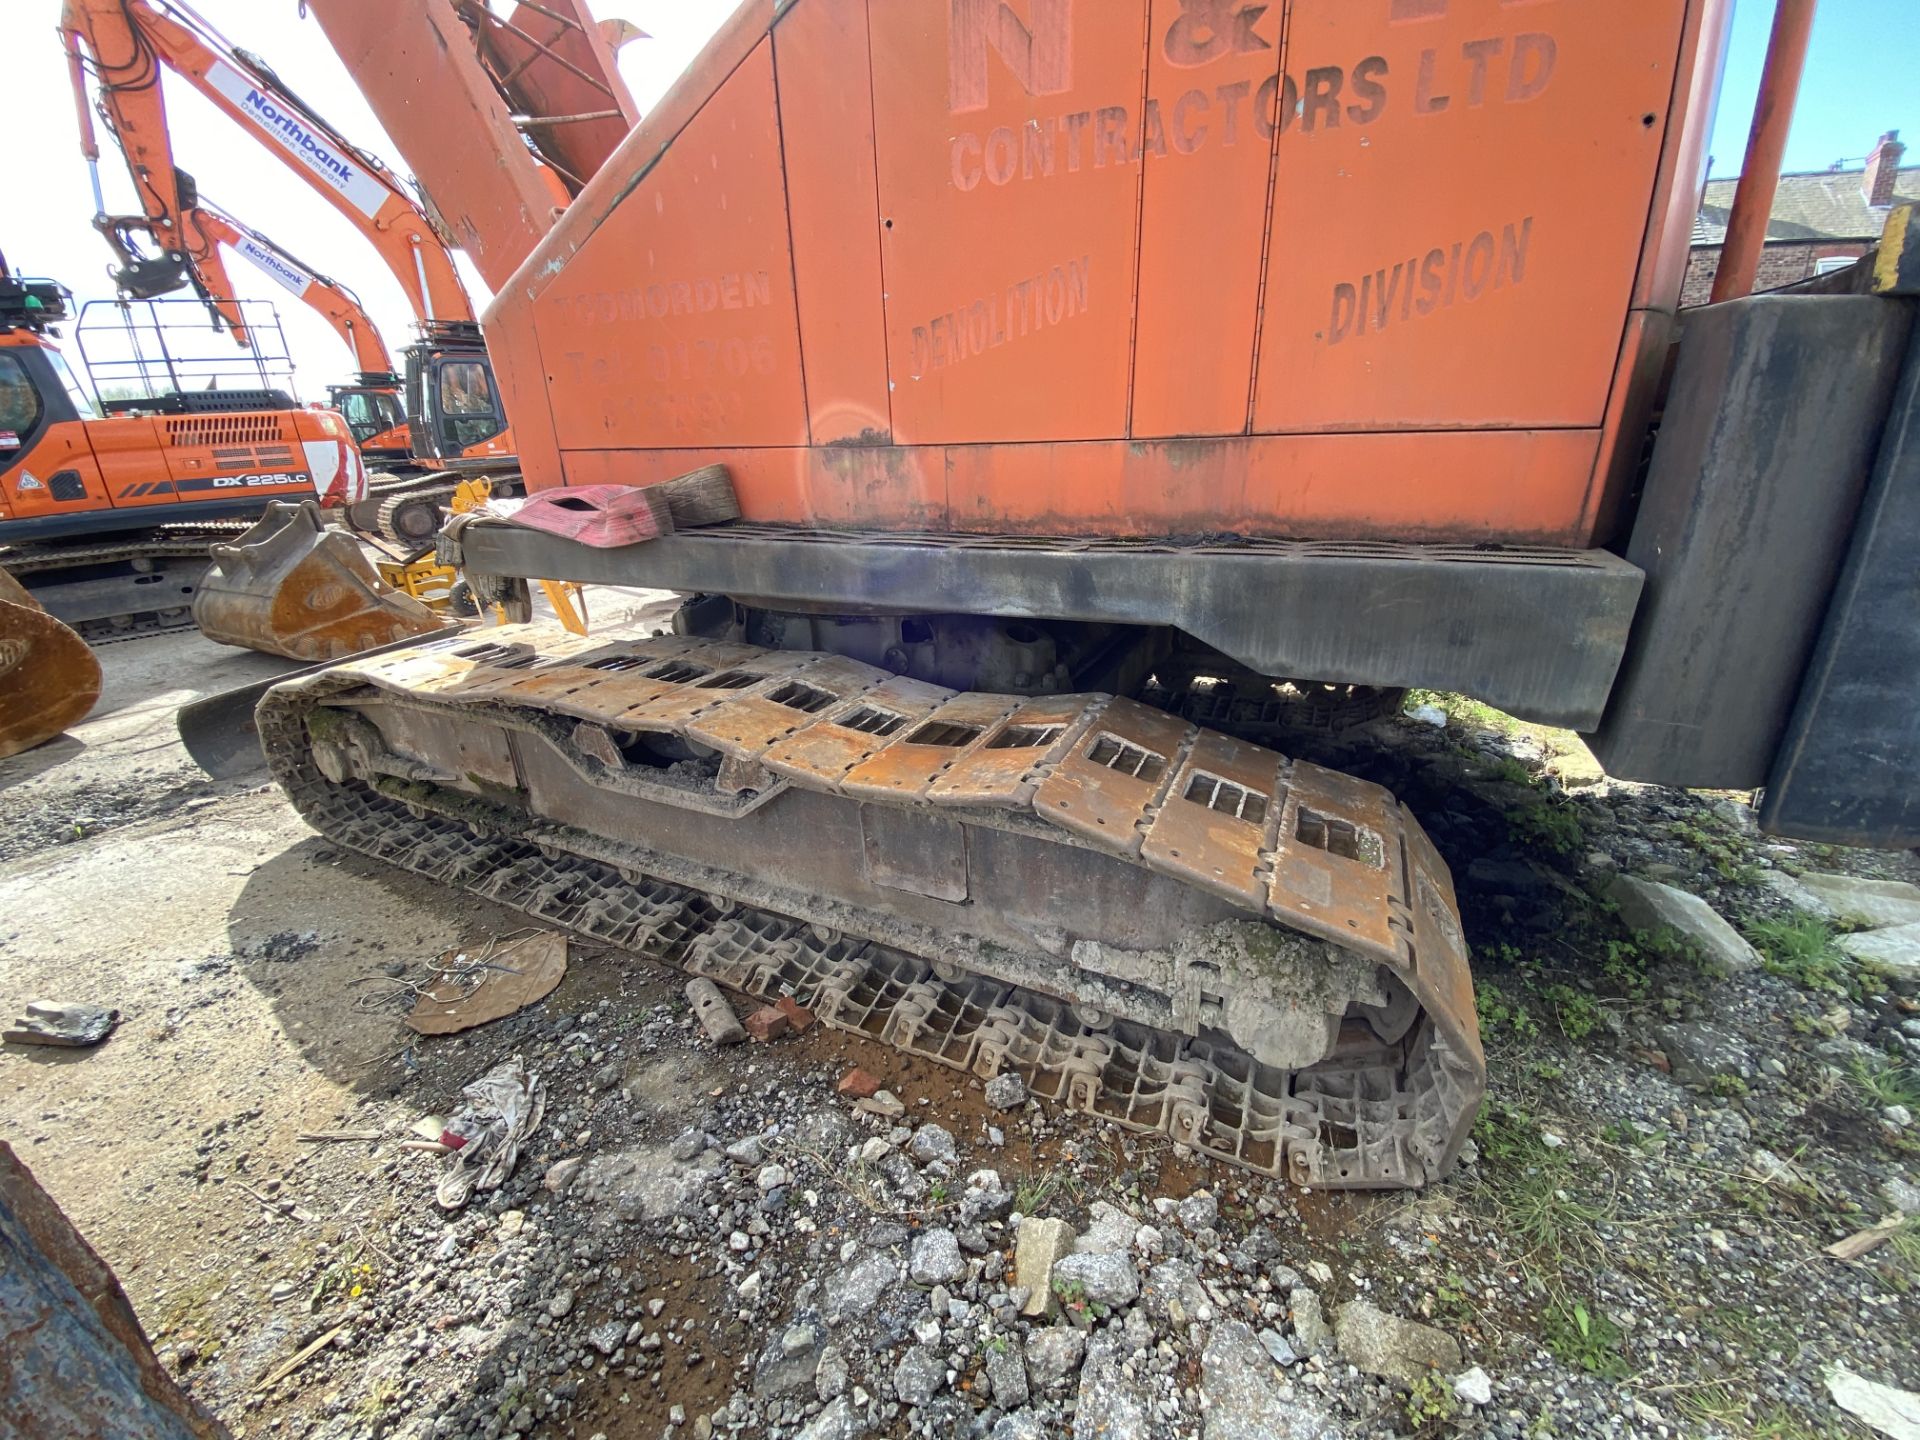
[1219, 821]
[74, 1362]
[291, 586]
[1220, 829]
[1004, 768]
[49, 679]
[1115, 776]
[921, 753]
[826, 750]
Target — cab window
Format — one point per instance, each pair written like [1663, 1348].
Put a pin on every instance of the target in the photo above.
[19, 402]
[76, 392]
[464, 389]
[468, 411]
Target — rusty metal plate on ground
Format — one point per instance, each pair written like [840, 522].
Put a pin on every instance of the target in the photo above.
[1112, 778]
[1220, 814]
[1001, 770]
[922, 753]
[488, 983]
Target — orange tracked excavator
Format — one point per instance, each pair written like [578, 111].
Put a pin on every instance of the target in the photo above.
[107, 521]
[371, 400]
[454, 424]
[1097, 380]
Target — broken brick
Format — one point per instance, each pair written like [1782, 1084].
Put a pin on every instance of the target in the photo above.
[858, 1083]
[766, 1024]
[798, 1016]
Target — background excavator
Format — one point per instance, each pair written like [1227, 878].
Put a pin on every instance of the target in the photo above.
[108, 521]
[371, 400]
[455, 426]
[1084, 401]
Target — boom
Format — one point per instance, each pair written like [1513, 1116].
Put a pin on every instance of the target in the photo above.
[327, 297]
[131, 40]
[525, 108]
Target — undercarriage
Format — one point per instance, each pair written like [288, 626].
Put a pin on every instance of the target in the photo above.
[1167, 926]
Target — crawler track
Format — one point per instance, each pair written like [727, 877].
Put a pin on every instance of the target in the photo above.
[1153, 923]
[122, 587]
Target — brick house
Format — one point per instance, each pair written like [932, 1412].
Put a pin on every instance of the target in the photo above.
[1833, 216]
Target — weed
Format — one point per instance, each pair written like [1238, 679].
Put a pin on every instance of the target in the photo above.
[1430, 1402]
[1497, 1013]
[1577, 1012]
[1728, 1087]
[1452, 1301]
[1904, 1249]
[1034, 1192]
[1460, 710]
[1551, 825]
[1584, 1339]
[937, 1193]
[1623, 1134]
[1625, 967]
[1885, 1081]
[1512, 771]
[1531, 1181]
[1800, 948]
[1780, 1423]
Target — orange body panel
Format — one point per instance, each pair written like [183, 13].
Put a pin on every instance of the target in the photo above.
[828, 134]
[162, 462]
[680, 326]
[1329, 267]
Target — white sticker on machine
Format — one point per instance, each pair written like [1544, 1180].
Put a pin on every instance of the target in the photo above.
[292, 132]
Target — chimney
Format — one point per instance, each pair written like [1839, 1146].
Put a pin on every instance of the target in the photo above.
[1883, 169]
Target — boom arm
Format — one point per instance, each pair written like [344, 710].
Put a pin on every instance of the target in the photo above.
[326, 297]
[130, 40]
[504, 120]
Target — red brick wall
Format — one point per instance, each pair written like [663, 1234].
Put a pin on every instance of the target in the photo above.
[1780, 264]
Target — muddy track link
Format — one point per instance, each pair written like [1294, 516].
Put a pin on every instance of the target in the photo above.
[171, 542]
[1161, 925]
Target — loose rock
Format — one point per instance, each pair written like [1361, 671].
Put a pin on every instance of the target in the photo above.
[1102, 1279]
[918, 1375]
[1647, 905]
[1112, 1405]
[1006, 1091]
[1242, 1396]
[1039, 1246]
[1054, 1355]
[936, 1258]
[1392, 1348]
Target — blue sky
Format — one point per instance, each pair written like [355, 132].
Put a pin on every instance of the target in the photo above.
[1862, 78]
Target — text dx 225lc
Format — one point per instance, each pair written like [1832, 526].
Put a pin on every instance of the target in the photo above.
[1093, 378]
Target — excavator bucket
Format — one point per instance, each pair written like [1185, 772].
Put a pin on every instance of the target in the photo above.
[49, 679]
[291, 586]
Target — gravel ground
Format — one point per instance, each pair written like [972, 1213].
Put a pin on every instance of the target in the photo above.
[704, 1240]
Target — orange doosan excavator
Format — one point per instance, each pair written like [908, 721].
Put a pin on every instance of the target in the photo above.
[107, 521]
[370, 401]
[1103, 385]
[454, 423]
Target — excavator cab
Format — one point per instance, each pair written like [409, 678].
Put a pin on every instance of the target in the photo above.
[375, 414]
[453, 405]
